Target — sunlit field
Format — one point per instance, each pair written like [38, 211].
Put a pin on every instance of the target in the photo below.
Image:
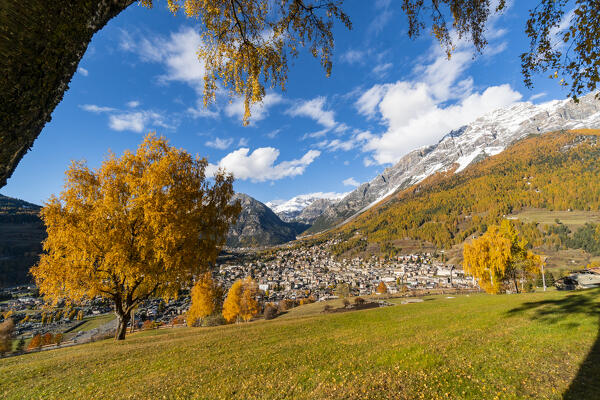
[474, 347]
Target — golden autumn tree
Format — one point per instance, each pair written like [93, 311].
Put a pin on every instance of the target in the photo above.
[381, 288]
[141, 225]
[204, 298]
[499, 256]
[232, 303]
[248, 303]
[241, 301]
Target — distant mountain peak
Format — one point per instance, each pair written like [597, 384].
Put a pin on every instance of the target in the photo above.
[290, 210]
[486, 136]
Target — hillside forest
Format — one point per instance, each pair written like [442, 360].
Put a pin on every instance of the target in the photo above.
[554, 171]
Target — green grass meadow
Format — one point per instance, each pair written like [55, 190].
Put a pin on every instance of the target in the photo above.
[573, 219]
[538, 345]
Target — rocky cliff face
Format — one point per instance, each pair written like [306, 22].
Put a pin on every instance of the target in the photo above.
[258, 225]
[309, 214]
[486, 136]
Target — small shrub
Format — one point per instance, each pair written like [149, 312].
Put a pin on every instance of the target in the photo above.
[35, 343]
[213, 320]
[20, 346]
[58, 338]
[149, 324]
[47, 338]
[359, 301]
[307, 300]
[327, 308]
[346, 303]
[287, 304]
[270, 311]
[528, 288]
[6, 331]
[178, 320]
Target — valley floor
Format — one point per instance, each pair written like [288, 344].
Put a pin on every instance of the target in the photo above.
[539, 345]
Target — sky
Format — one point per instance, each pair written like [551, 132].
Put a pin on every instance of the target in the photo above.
[386, 96]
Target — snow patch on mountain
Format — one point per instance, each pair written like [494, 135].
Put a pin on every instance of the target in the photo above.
[484, 137]
[287, 210]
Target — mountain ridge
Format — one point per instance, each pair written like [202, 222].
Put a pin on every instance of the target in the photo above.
[484, 137]
[553, 171]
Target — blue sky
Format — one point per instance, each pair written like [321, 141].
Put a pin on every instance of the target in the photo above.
[387, 95]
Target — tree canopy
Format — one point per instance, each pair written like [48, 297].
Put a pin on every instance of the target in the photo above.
[246, 44]
[141, 225]
[499, 256]
[241, 303]
[205, 296]
[564, 37]
[381, 288]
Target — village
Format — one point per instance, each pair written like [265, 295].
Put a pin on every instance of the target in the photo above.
[295, 272]
[289, 272]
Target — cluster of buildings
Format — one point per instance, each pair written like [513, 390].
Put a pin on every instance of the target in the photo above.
[26, 307]
[295, 272]
[291, 272]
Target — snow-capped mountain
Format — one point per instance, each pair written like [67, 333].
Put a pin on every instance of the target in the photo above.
[292, 209]
[486, 136]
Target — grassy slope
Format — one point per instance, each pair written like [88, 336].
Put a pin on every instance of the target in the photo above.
[573, 219]
[467, 347]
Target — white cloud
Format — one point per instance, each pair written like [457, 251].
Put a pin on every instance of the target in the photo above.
[341, 128]
[243, 142]
[357, 138]
[381, 70]
[367, 103]
[260, 166]
[259, 111]
[135, 121]
[556, 33]
[96, 109]
[127, 122]
[353, 56]
[351, 182]
[414, 117]
[177, 53]
[337, 144]
[382, 18]
[273, 134]
[83, 71]
[314, 109]
[315, 135]
[219, 143]
[420, 112]
[537, 96]
[133, 104]
[199, 111]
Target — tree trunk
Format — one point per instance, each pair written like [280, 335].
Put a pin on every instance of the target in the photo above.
[41, 43]
[122, 327]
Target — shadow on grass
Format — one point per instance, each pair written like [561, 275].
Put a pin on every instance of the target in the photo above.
[586, 384]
